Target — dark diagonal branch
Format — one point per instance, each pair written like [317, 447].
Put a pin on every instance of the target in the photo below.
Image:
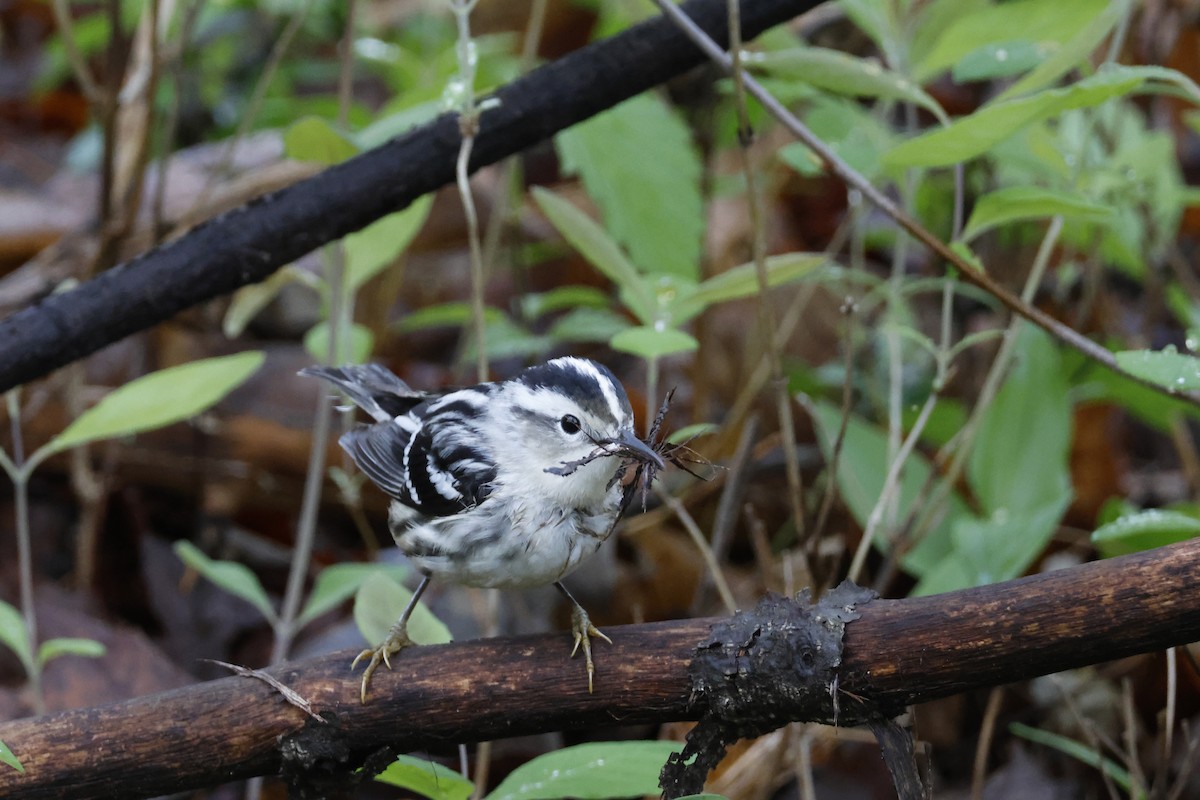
[895, 653]
[248, 244]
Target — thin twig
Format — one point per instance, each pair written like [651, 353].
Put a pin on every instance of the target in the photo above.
[21, 473]
[693, 530]
[289, 694]
[986, 729]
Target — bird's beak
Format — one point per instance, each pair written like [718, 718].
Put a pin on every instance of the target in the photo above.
[628, 444]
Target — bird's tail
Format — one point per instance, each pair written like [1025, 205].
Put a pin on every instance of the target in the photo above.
[372, 388]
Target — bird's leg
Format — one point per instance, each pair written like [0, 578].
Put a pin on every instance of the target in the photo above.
[583, 630]
[397, 639]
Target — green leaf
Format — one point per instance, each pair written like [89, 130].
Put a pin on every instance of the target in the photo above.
[999, 60]
[160, 398]
[600, 250]
[693, 431]
[14, 636]
[651, 343]
[53, 648]
[1144, 530]
[861, 472]
[742, 280]
[840, 73]
[638, 162]
[588, 325]
[426, 778]
[592, 771]
[1051, 23]
[1176, 371]
[1020, 456]
[7, 757]
[235, 578]
[538, 304]
[379, 244]
[444, 315]
[976, 133]
[1145, 404]
[354, 346]
[1080, 752]
[314, 139]
[338, 583]
[249, 301]
[1016, 203]
[1072, 52]
[378, 605]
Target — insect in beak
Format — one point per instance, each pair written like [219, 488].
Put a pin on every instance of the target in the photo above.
[628, 444]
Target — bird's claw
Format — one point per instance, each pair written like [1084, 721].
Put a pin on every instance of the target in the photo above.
[396, 641]
[583, 631]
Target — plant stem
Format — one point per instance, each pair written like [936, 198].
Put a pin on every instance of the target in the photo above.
[25, 549]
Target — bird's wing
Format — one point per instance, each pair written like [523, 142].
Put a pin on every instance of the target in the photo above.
[372, 388]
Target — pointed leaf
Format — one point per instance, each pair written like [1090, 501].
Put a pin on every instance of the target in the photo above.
[248, 301]
[592, 771]
[840, 73]
[426, 778]
[235, 578]
[53, 648]
[160, 398]
[1177, 371]
[354, 346]
[598, 248]
[651, 343]
[314, 139]
[338, 583]
[379, 244]
[742, 280]
[14, 636]
[1144, 530]
[1015, 203]
[1083, 753]
[638, 162]
[7, 757]
[999, 60]
[379, 603]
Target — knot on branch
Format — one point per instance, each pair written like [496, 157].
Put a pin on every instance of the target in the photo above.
[762, 669]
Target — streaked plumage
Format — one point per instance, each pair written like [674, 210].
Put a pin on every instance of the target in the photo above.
[509, 484]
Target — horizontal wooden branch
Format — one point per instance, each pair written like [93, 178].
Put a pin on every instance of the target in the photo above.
[246, 245]
[898, 652]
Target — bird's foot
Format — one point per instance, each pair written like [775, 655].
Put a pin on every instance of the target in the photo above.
[396, 641]
[583, 631]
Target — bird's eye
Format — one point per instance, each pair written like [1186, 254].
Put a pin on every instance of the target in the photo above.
[570, 424]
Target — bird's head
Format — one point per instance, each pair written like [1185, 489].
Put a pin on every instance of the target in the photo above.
[569, 424]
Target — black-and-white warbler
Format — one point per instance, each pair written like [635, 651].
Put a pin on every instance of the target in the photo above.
[509, 484]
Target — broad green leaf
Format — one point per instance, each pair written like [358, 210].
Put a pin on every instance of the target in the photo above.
[538, 304]
[999, 60]
[378, 605]
[235, 578]
[1145, 404]
[840, 73]
[505, 338]
[1051, 23]
[592, 771]
[379, 244]
[862, 470]
[877, 19]
[13, 635]
[588, 325]
[598, 248]
[1015, 203]
[338, 583]
[1176, 371]
[742, 280]
[975, 134]
[651, 343]
[1083, 753]
[426, 778]
[7, 757]
[998, 548]
[453, 315]
[53, 648]
[354, 346]
[160, 398]
[851, 131]
[1144, 530]
[638, 162]
[1072, 52]
[314, 139]
[248, 301]
[1020, 456]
